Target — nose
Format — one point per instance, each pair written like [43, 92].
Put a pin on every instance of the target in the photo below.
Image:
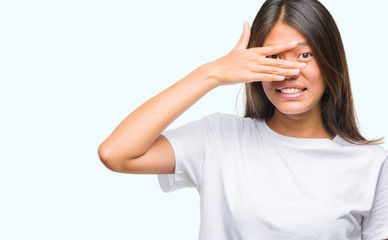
[292, 76]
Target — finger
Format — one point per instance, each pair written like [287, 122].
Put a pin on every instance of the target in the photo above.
[257, 77]
[280, 63]
[273, 49]
[276, 70]
[244, 39]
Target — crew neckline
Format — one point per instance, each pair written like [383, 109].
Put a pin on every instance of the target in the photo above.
[300, 142]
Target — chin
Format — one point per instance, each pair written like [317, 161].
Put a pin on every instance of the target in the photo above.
[293, 110]
[290, 112]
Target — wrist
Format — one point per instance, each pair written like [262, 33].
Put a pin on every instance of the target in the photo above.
[210, 75]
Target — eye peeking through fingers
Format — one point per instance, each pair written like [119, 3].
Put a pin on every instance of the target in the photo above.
[305, 55]
[273, 56]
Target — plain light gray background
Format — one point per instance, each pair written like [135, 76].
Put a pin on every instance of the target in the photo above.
[72, 70]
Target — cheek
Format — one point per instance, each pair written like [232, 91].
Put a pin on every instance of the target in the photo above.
[267, 87]
[313, 74]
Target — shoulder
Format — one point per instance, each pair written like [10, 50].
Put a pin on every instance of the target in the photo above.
[373, 151]
[381, 152]
[222, 116]
[227, 120]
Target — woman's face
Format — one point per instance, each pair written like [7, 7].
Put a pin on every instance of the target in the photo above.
[300, 93]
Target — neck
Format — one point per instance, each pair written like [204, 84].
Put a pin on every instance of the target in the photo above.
[304, 125]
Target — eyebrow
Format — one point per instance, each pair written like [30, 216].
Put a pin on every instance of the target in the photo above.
[300, 44]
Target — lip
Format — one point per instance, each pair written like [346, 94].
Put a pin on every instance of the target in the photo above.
[291, 95]
[291, 86]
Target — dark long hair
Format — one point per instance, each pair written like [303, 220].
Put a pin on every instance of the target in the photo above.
[317, 25]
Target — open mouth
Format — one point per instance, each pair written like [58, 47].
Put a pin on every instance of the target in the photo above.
[291, 90]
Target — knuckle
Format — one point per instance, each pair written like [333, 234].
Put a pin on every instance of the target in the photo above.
[252, 58]
[274, 70]
[276, 62]
[251, 54]
[257, 68]
[279, 63]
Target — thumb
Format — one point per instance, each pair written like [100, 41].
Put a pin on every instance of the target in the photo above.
[244, 39]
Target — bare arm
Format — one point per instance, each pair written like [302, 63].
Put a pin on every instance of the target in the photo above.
[136, 133]
[137, 146]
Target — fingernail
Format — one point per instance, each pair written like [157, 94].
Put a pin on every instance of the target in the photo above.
[302, 65]
[295, 71]
[281, 77]
[293, 43]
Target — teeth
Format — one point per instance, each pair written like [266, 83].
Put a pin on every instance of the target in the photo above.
[290, 90]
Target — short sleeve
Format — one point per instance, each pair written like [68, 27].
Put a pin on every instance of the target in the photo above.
[375, 225]
[190, 144]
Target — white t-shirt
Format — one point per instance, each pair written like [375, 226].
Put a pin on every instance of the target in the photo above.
[257, 184]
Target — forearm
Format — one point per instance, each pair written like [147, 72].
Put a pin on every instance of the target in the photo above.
[136, 133]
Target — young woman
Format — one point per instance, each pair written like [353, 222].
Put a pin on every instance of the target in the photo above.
[295, 166]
